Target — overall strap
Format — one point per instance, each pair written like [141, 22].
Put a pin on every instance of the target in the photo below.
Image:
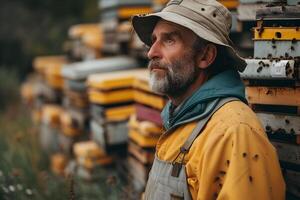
[197, 130]
[188, 143]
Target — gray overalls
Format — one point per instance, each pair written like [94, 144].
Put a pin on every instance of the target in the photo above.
[167, 180]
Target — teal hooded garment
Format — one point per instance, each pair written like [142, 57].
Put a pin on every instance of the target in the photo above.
[224, 84]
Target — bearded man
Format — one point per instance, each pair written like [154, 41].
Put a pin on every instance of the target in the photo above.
[214, 146]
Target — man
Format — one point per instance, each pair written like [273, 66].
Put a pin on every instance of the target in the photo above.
[214, 146]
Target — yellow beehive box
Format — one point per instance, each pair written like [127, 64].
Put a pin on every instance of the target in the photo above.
[51, 115]
[110, 97]
[230, 4]
[119, 113]
[54, 77]
[90, 34]
[127, 12]
[89, 154]
[142, 140]
[58, 163]
[112, 87]
[41, 63]
[69, 127]
[27, 92]
[114, 80]
[145, 128]
[78, 99]
[36, 116]
[277, 33]
[142, 82]
[143, 93]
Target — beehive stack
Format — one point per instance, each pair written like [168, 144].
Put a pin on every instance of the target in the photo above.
[44, 85]
[86, 41]
[111, 95]
[89, 156]
[75, 119]
[273, 85]
[246, 11]
[115, 16]
[158, 5]
[145, 127]
[49, 128]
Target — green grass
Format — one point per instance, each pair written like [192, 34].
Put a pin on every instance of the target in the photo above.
[24, 167]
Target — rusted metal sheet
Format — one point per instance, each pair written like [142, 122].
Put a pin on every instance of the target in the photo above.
[276, 49]
[289, 153]
[273, 96]
[269, 69]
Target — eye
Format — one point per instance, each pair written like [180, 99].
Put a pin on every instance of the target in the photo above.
[169, 41]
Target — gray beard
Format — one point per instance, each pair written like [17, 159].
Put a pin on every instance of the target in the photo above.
[179, 76]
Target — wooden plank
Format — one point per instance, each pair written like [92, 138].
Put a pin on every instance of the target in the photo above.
[273, 96]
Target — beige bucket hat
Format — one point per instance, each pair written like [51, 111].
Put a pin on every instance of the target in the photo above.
[208, 19]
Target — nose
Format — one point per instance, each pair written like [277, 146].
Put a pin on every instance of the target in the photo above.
[154, 51]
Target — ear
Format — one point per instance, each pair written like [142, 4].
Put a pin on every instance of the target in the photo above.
[207, 56]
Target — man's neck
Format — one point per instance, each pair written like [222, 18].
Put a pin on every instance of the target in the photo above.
[177, 100]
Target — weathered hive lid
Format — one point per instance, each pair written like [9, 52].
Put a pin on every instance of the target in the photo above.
[88, 149]
[41, 63]
[81, 70]
[114, 80]
[108, 4]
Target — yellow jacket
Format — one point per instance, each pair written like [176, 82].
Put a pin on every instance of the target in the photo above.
[231, 159]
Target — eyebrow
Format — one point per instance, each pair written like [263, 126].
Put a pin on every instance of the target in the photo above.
[168, 34]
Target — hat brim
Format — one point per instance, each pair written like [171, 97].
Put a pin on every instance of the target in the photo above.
[144, 26]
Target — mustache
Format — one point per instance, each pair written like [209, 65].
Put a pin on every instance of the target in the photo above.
[157, 64]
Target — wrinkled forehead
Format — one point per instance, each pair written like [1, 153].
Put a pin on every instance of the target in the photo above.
[164, 26]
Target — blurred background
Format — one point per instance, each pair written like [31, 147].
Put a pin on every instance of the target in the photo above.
[77, 117]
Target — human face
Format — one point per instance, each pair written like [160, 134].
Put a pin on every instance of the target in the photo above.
[172, 59]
